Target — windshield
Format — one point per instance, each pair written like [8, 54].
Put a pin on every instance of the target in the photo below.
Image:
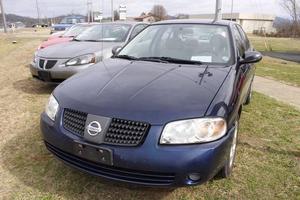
[105, 32]
[75, 30]
[198, 43]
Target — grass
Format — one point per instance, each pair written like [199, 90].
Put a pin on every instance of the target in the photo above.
[276, 44]
[281, 70]
[7, 45]
[267, 165]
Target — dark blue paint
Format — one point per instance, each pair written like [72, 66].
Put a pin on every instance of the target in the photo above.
[156, 93]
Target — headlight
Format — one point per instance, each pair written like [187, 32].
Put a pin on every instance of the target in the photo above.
[81, 60]
[51, 107]
[193, 131]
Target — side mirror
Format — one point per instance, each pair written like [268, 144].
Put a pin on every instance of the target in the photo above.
[116, 50]
[251, 57]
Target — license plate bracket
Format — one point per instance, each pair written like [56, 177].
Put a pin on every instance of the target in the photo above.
[93, 153]
[44, 75]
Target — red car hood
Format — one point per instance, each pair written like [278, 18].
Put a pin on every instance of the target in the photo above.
[55, 41]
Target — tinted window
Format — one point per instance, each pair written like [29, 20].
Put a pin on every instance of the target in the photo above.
[194, 42]
[239, 41]
[244, 37]
[69, 20]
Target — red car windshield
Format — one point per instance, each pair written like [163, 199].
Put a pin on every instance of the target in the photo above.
[75, 30]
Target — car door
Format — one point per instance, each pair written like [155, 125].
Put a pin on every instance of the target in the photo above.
[243, 71]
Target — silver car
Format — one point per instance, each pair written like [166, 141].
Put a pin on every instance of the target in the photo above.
[58, 62]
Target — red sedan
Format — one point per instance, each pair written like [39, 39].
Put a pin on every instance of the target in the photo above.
[66, 36]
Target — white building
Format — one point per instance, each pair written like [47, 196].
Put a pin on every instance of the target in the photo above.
[249, 22]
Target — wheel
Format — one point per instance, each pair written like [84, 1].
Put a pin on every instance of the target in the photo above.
[227, 169]
[249, 97]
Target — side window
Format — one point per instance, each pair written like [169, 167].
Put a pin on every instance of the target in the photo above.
[244, 37]
[239, 41]
[137, 29]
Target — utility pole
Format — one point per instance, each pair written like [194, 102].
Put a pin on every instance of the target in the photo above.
[38, 11]
[218, 13]
[89, 8]
[231, 13]
[112, 11]
[92, 12]
[3, 17]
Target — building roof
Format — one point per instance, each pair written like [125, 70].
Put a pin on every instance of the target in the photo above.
[123, 22]
[196, 21]
[143, 17]
[236, 16]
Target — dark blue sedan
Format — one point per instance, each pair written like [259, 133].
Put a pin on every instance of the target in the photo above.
[163, 111]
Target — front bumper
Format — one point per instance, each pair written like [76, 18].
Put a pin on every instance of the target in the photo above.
[150, 164]
[58, 72]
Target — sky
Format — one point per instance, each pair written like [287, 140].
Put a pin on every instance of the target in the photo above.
[52, 8]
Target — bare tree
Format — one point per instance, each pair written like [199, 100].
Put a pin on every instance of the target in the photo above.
[292, 7]
[159, 11]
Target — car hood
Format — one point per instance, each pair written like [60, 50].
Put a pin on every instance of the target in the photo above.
[156, 93]
[75, 48]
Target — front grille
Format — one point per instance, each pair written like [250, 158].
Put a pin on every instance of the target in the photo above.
[74, 121]
[126, 132]
[41, 63]
[115, 173]
[120, 132]
[50, 64]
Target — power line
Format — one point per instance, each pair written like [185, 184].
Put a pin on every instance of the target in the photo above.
[3, 17]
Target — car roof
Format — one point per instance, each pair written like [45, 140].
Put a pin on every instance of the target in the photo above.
[196, 21]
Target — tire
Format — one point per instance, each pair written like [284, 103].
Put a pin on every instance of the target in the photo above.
[226, 171]
[249, 97]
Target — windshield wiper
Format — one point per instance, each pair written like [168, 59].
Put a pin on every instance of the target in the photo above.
[91, 40]
[127, 57]
[160, 59]
[74, 39]
[178, 61]
[153, 59]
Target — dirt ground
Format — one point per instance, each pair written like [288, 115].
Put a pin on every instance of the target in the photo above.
[267, 166]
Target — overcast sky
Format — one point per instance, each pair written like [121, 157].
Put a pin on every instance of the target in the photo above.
[50, 8]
